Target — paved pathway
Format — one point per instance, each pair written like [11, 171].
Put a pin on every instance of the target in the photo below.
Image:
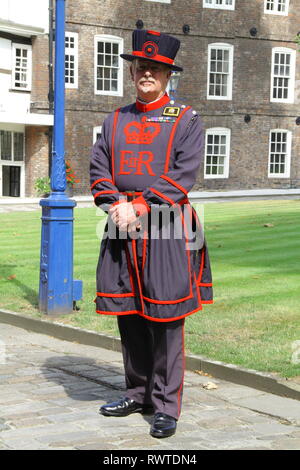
[50, 392]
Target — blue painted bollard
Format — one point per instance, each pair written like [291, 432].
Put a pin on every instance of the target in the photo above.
[58, 291]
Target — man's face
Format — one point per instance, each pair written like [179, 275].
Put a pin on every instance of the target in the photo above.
[150, 79]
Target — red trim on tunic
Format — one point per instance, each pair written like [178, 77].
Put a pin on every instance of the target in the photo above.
[141, 202]
[132, 193]
[118, 202]
[183, 201]
[126, 312]
[179, 396]
[129, 267]
[158, 193]
[137, 273]
[145, 107]
[105, 312]
[154, 301]
[109, 191]
[171, 181]
[188, 252]
[173, 318]
[144, 250]
[160, 58]
[197, 290]
[113, 144]
[172, 138]
[99, 181]
[201, 266]
[104, 294]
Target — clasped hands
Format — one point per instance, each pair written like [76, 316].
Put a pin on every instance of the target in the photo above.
[124, 216]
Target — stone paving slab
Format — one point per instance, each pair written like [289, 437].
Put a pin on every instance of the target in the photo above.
[51, 390]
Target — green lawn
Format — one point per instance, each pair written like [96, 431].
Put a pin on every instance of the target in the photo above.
[256, 314]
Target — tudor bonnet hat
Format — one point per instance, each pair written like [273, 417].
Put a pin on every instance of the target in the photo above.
[154, 46]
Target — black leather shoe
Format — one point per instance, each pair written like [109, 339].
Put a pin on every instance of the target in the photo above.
[163, 425]
[124, 407]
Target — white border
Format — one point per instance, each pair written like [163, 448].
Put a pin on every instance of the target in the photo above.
[276, 12]
[117, 40]
[219, 7]
[230, 48]
[287, 172]
[291, 89]
[73, 52]
[16, 45]
[21, 164]
[219, 131]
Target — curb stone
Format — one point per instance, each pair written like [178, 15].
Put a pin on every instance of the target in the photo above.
[261, 381]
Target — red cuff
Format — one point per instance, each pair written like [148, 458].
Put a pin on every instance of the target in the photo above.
[140, 206]
[118, 202]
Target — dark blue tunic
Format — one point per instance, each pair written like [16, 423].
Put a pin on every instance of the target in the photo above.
[162, 272]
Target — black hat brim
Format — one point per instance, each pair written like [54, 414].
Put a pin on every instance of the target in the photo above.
[131, 57]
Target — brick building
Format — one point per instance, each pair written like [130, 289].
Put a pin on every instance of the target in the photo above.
[241, 73]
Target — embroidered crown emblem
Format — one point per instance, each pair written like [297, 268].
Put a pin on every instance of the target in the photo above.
[141, 133]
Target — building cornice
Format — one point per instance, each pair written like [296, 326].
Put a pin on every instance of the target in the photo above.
[20, 29]
[29, 119]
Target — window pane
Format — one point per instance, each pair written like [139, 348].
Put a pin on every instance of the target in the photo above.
[108, 61]
[21, 68]
[99, 85]
[18, 146]
[6, 141]
[106, 73]
[115, 62]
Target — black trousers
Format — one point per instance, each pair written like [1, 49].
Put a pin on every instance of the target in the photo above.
[153, 355]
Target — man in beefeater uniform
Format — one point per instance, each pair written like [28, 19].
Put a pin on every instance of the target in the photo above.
[147, 160]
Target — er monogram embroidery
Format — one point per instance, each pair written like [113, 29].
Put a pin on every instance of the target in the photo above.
[135, 163]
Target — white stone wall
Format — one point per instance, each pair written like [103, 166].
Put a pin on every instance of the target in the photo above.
[29, 13]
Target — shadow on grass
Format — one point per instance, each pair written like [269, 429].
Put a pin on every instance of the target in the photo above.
[7, 272]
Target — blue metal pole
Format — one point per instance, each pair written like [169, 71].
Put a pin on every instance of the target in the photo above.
[58, 174]
[58, 291]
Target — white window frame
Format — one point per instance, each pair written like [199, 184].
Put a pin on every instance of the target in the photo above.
[230, 48]
[73, 52]
[291, 85]
[214, 4]
[112, 39]
[159, 1]
[29, 66]
[218, 131]
[21, 163]
[276, 10]
[96, 130]
[287, 172]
